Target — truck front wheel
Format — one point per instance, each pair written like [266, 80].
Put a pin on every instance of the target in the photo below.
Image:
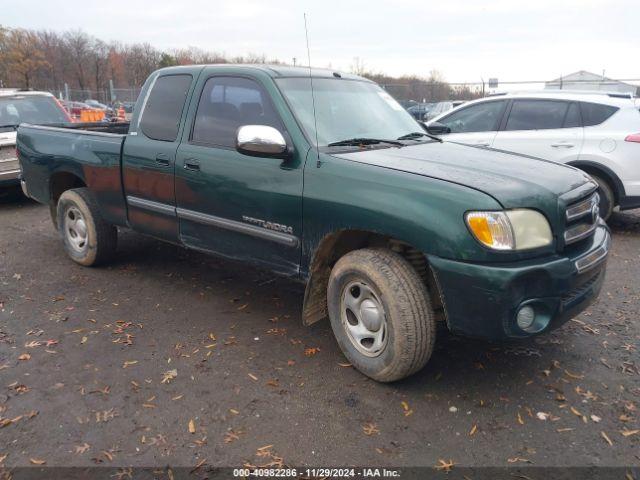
[87, 238]
[381, 314]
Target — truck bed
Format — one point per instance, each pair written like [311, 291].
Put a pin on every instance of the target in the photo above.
[81, 154]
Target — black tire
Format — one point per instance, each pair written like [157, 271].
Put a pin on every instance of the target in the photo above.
[607, 198]
[410, 326]
[101, 238]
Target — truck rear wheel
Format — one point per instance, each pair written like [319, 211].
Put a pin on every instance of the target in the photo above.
[381, 314]
[87, 238]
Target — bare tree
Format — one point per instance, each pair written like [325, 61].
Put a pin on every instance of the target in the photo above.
[79, 45]
[23, 56]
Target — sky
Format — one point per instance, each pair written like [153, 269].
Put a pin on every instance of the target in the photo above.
[465, 40]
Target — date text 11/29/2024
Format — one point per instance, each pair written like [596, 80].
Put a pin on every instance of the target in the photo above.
[364, 472]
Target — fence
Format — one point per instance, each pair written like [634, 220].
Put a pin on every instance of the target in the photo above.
[106, 96]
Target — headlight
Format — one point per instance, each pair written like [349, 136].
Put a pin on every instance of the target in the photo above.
[520, 229]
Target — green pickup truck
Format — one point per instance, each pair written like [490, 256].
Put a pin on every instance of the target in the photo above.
[323, 177]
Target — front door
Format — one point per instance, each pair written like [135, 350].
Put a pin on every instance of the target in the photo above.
[243, 207]
[476, 124]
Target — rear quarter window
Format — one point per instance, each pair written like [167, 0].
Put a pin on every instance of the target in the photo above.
[595, 114]
[162, 112]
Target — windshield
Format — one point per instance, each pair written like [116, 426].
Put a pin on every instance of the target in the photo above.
[346, 109]
[39, 110]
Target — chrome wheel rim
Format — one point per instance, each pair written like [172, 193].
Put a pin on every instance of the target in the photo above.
[75, 229]
[363, 318]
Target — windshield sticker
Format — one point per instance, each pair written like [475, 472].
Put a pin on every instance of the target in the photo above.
[390, 100]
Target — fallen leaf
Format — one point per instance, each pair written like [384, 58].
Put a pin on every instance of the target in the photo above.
[252, 377]
[370, 429]
[628, 433]
[595, 418]
[520, 420]
[405, 407]
[345, 364]
[82, 448]
[444, 465]
[128, 363]
[169, 375]
[311, 351]
[192, 426]
[24, 356]
[518, 459]
[3, 456]
[606, 437]
[231, 436]
[573, 375]
[37, 461]
[473, 430]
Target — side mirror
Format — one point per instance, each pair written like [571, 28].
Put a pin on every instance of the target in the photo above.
[261, 141]
[437, 128]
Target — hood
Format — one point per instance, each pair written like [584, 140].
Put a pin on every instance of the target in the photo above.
[7, 138]
[514, 180]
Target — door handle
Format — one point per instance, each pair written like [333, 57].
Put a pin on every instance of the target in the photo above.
[191, 164]
[162, 160]
[562, 145]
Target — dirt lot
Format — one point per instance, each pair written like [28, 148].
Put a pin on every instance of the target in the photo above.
[170, 357]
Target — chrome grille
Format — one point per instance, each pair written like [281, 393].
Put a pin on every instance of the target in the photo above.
[582, 219]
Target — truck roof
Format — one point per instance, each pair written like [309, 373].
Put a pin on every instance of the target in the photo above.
[276, 71]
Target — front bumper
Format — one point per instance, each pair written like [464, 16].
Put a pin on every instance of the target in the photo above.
[9, 172]
[482, 300]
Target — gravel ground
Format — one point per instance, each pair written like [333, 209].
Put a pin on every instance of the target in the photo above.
[171, 357]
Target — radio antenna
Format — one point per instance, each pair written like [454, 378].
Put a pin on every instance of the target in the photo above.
[313, 97]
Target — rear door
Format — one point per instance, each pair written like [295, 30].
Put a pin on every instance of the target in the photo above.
[238, 206]
[549, 129]
[149, 154]
[476, 124]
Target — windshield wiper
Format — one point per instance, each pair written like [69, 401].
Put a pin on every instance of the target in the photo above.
[363, 141]
[414, 135]
[10, 125]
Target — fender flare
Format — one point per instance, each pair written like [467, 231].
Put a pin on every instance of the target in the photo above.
[608, 174]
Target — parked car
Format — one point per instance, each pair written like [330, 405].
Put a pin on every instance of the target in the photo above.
[440, 108]
[596, 132]
[17, 106]
[97, 105]
[420, 110]
[74, 108]
[389, 229]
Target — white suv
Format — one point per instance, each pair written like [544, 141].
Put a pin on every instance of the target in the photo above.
[596, 132]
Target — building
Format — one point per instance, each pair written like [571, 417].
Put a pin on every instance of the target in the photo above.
[583, 80]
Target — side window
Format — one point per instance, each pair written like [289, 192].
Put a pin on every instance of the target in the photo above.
[482, 117]
[536, 114]
[162, 112]
[573, 118]
[595, 114]
[228, 103]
